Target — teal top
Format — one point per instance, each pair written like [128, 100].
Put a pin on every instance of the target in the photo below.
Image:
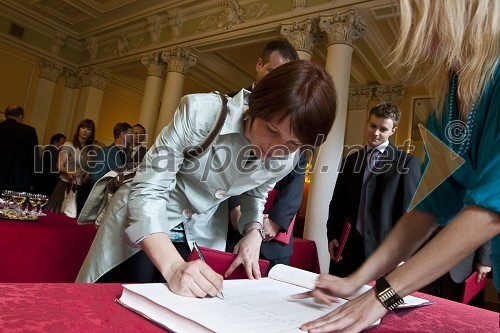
[477, 181]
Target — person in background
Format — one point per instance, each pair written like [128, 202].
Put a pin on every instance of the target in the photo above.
[289, 197]
[73, 164]
[113, 157]
[452, 284]
[373, 190]
[19, 151]
[258, 145]
[50, 157]
[461, 66]
[139, 149]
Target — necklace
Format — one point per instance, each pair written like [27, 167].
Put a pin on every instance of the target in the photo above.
[458, 134]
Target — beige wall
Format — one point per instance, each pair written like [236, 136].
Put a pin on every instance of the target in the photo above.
[20, 78]
[119, 103]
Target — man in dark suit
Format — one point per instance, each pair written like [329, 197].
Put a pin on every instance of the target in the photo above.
[374, 188]
[289, 197]
[19, 151]
[113, 157]
[50, 157]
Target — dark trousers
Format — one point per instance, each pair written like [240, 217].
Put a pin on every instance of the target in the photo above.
[140, 269]
[353, 256]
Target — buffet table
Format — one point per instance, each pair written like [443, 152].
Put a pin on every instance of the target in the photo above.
[51, 249]
[72, 307]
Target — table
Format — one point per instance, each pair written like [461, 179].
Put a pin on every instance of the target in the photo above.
[305, 255]
[73, 307]
[51, 249]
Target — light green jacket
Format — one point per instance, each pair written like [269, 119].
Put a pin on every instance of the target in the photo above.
[168, 190]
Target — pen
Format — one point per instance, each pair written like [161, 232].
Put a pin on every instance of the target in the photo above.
[195, 245]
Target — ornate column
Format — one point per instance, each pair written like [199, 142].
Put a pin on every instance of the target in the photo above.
[49, 73]
[302, 35]
[357, 110]
[155, 71]
[342, 29]
[93, 84]
[69, 101]
[178, 61]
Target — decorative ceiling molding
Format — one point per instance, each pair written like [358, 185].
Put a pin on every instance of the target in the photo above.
[64, 11]
[130, 29]
[107, 5]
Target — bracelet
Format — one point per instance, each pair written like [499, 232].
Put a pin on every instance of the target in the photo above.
[386, 295]
[255, 225]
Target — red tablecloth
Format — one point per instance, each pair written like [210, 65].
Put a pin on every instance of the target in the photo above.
[51, 249]
[305, 255]
[67, 307]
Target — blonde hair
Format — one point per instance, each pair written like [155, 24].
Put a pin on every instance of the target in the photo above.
[438, 37]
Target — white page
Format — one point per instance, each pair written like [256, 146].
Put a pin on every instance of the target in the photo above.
[296, 276]
[249, 306]
[263, 305]
[308, 279]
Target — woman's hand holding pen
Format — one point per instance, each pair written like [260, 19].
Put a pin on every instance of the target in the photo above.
[192, 279]
[195, 279]
[247, 251]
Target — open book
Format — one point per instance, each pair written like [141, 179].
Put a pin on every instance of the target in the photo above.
[261, 305]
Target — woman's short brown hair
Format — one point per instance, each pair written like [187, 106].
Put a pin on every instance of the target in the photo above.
[299, 89]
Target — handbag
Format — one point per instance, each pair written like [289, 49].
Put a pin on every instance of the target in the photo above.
[105, 188]
[68, 206]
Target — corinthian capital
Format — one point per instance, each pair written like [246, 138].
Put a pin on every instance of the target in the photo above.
[390, 94]
[154, 65]
[302, 35]
[72, 79]
[359, 98]
[178, 60]
[94, 77]
[49, 70]
[342, 28]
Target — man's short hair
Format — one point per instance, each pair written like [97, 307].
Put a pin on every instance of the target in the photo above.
[119, 128]
[286, 50]
[386, 110]
[56, 137]
[142, 127]
[14, 111]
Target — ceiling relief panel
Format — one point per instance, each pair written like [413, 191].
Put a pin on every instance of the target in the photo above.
[233, 14]
[63, 11]
[104, 6]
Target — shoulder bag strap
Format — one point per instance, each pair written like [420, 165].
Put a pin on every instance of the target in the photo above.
[221, 118]
[191, 152]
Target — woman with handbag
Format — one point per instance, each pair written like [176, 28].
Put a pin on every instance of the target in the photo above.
[176, 199]
[73, 158]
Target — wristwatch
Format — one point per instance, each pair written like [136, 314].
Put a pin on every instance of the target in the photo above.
[386, 295]
[255, 225]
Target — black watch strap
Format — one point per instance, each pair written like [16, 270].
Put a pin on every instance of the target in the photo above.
[386, 295]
